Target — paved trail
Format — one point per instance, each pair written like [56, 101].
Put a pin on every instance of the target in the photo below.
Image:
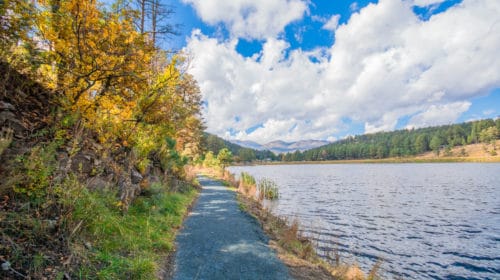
[219, 241]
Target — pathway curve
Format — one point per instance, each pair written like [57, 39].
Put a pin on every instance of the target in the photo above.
[219, 241]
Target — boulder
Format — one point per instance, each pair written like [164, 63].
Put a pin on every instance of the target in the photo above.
[135, 176]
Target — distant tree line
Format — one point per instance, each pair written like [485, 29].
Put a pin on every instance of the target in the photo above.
[402, 143]
[215, 144]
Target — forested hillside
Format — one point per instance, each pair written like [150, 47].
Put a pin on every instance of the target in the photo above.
[214, 144]
[404, 143]
[97, 125]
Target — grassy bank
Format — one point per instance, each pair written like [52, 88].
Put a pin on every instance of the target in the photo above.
[134, 245]
[73, 232]
[294, 249]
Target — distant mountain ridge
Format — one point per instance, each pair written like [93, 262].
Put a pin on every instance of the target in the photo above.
[279, 146]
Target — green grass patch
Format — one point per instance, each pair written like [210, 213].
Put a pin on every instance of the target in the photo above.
[129, 245]
[247, 179]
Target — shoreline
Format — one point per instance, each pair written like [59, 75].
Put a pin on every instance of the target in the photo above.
[296, 251]
[387, 161]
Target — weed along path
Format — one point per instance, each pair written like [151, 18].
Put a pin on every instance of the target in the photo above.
[220, 241]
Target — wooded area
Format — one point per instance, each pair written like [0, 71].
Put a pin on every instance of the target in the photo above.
[403, 143]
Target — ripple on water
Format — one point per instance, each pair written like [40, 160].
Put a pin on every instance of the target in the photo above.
[427, 221]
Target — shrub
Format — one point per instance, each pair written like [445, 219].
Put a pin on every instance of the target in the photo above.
[247, 184]
[268, 189]
[247, 178]
[34, 174]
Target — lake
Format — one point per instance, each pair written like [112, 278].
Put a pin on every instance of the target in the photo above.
[438, 221]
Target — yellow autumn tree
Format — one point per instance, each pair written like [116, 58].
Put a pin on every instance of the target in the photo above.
[110, 75]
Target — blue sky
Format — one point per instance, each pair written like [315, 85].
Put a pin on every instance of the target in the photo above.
[323, 69]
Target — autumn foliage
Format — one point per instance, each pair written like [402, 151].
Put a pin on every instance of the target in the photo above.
[96, 126]
[106, 73]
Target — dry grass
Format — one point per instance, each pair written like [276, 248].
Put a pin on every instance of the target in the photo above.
[481, 152]
[295, 250]
[247, 185]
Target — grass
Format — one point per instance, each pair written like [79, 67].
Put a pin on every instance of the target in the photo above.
[131, 245]
[268, 189]
[247, 184]
[246, 178]
[297, 251]
[85, 233]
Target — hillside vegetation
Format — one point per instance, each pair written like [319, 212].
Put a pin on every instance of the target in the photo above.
[445, 140]
[97, 126]
[214, 144]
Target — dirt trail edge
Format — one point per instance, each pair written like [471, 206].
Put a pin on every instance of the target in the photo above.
[219, 241]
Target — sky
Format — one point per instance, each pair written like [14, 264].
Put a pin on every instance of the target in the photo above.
[324, 69]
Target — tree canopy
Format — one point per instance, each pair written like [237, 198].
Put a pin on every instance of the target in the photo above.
[106, 71]
[402, 143]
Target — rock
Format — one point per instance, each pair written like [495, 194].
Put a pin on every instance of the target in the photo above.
[128, 190]
[135, 176]
[7, 116]
[82, 164]
[6, 106]
[98, 183]
[154, 179]
[6, 266]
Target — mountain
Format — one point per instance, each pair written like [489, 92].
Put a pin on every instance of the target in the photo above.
[279, 146]
[249, 144]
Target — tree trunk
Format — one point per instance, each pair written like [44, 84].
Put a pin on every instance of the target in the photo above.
[154, 17]
[143, 14]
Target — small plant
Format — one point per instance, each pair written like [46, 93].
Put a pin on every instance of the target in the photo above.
[268, 189]
[5, 138]
[247, 178]
[36, 170]
[247, 184]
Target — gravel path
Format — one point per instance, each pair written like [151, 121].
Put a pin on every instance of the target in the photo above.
[219, 241]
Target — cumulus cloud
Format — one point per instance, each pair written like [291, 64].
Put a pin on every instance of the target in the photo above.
[385, 64]
[439, 115]
[250, 19]
[354, 7]
[332, 23]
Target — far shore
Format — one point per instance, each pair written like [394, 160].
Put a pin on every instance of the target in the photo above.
[476, 153]
[385, 160]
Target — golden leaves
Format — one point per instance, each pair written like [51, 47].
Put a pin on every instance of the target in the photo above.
[112, 76]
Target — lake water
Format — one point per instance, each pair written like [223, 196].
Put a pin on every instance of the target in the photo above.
[425, 221]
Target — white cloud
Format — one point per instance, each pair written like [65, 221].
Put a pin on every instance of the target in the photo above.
[425, 3]
[251, 19]
[439, 115]
[385, 64]
[354, 7]
[332, 23]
